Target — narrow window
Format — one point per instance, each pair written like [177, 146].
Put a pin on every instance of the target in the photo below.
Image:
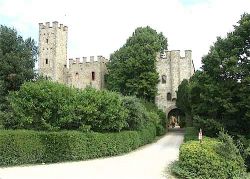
[93, 76]
[47, 40]
[46, 61]
[163, 79]
[169, 96]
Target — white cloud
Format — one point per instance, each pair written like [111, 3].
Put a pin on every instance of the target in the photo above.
[101, 27]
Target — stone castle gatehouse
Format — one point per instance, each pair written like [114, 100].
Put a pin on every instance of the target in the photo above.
[90, 71]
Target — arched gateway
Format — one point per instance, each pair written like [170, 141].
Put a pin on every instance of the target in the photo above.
[173, 115]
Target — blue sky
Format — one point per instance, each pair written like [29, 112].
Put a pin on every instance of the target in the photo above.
[99, 27]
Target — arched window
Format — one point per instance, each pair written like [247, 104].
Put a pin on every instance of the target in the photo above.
[47, 61]
[169, 96]
[77, 76]
[93, 75]
[163, 79]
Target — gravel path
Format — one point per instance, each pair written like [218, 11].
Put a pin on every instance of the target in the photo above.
[148, 162]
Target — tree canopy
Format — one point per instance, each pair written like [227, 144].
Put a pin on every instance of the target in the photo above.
[132, 68]
[220, 91]
[17, 60]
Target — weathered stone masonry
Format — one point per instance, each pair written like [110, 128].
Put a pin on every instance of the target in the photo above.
[83, 72]
[172, 69]
[53, 63]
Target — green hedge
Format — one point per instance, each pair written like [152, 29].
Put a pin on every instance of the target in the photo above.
[158, 116]
[27, 147]
[210, 127]
[50, 106]
[191, 133]
[207, 160]
[46, 105]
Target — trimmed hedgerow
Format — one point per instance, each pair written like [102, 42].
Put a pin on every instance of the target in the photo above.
[211, 159]
[27, 147]
[20, 146]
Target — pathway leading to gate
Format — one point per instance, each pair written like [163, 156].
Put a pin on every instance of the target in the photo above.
[148, 162]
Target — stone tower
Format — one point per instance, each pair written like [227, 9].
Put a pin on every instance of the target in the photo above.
[53, 51]
[172, 69]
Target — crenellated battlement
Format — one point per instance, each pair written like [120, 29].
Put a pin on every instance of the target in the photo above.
[172, 66]
[173, 54]
[90, 59]
[55, 25]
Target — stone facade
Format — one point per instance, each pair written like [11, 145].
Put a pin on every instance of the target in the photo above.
[87, 72]
[172, 69]
[53, 63]
[53, 50]
[82, 72]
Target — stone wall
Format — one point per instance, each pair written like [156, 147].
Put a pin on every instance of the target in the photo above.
[175, 68]
[53, 50]
[53, 60]
[85, 72]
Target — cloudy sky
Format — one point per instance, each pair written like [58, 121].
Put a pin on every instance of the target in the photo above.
[99, 27]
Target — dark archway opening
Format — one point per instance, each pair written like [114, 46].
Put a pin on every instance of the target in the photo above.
[176, 118]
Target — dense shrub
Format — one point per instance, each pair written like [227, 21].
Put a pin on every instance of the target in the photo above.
[247, 156]
[182, 121]
[147, 133]
[191, 133]
[137, 116]
[39, 105]
[207, 160]
[102, 110]
[26, 146]
[158, 115]
[45, 105]
[243, 144]
[48, 106]
[210, 127]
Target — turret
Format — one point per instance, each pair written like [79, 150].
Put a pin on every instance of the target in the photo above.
[52, 50]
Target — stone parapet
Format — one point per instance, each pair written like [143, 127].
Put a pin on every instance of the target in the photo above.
[55, 25]
[85, 60]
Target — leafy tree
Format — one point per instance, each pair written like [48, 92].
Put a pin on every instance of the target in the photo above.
[228, 72]
[132, 68]
[183, 100]
[220, 91]
[17, 61]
